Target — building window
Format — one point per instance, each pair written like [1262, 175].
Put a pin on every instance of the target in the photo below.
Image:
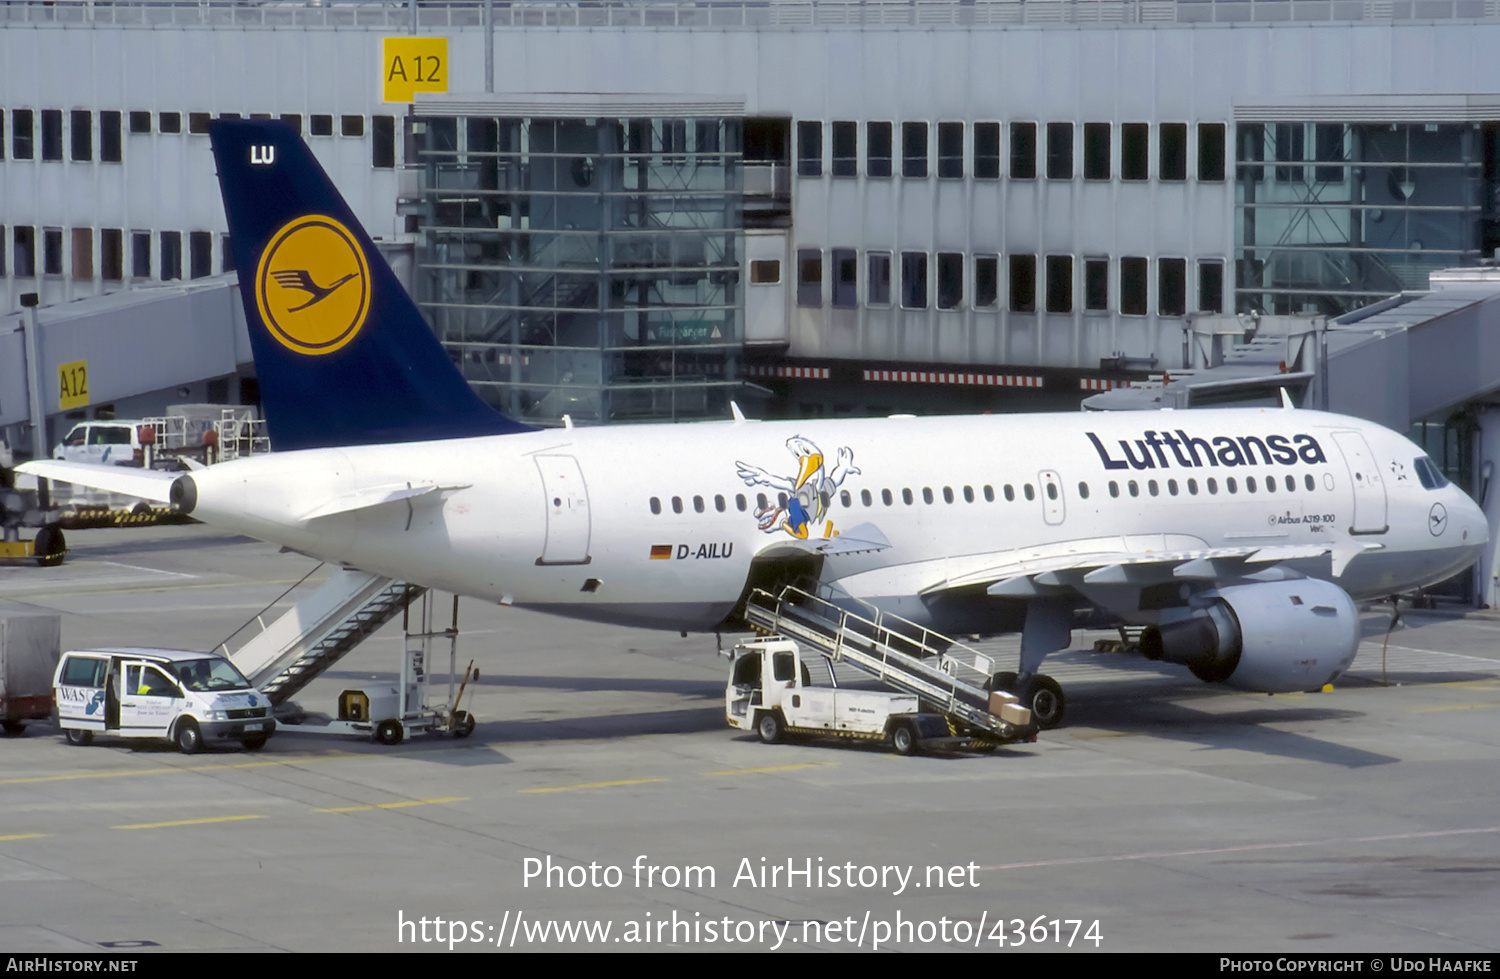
[294, 120]
[1133, 286]
[1135, 148]
[809, 277]
[383, 146]
[914, 149]
[2, 134]
[83, 254]
[140, 122]
[1096, 283]
[52, 134]
[1211, 286]
[1172, 150]
[23, 259]
[1096, 151]
[1023, 283]
[986, 281]
[140, 254]
[950, 280]
[986, 151]
[198, 123]
[809, 149]
[1290, 148]
[845, 149]
[914, 280]
[950, 149]
[1023, 151]
[765, 272]
[109, 137]
[352, 125]
[112, 254]
[81, 122]
[200, 254]
[1210, 151]
[1328, 147]
[878, 149]
[226, 254]
[1059, 283]
[1059, 151]
[21, 134]
[52, 251]
[1251, 137]
[845, 278]
[1171, 286]
[169, 122]
[880, 279]
[171, 255]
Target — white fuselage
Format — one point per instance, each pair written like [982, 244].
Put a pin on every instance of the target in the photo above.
[657, 525]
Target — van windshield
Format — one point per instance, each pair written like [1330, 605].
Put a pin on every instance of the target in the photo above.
[208, 674]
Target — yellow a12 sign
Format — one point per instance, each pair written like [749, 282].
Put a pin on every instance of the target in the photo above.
[409, 65]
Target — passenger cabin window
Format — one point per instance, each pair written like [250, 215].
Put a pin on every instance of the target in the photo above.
[655, 505]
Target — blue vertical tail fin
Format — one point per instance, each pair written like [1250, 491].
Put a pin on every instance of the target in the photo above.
[343, 355]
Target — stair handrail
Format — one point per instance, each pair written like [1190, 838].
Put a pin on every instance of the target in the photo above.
[258, 618]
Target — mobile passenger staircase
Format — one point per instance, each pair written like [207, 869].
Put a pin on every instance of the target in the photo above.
[942, 673]
[282, 655]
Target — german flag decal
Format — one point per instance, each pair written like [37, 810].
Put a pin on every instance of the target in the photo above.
[661, 552]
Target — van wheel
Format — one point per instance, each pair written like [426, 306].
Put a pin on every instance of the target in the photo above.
[389, 732]
[80, 738]
[256, 743]
[50, 546]
[189, 739]
[770, 727]
[903, 740]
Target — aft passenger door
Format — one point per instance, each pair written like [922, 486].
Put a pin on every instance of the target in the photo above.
[568, 520]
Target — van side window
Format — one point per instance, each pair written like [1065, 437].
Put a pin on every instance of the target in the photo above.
[82, 671]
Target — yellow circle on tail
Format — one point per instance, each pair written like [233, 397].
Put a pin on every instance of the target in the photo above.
[313, 285]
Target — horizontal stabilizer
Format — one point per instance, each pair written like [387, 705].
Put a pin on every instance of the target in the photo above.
[421, 494]
[148, 484]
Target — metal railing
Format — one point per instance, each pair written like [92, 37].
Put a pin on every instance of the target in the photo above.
[443, 15]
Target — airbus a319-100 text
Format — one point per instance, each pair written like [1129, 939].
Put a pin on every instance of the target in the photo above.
[1238, 537]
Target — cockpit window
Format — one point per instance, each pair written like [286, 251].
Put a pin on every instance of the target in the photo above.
[1427, 471]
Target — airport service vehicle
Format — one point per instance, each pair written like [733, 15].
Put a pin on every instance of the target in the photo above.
[29, 645]
[1236, 538]
[190, 699]
[103, 443]
[770, 692]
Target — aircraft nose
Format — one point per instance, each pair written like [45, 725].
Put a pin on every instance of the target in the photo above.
[1472, 521]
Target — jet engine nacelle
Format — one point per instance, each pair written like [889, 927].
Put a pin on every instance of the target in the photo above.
[1270, 637]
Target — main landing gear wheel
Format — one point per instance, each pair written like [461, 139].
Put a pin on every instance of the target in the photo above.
[1045, 698]
[1042, 696]
[389, 732]
[770, 727]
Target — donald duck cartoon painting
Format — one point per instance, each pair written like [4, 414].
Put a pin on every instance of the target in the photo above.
[808, 491]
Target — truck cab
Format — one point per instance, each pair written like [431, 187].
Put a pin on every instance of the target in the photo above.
[191, 699]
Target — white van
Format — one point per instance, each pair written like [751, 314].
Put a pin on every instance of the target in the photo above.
[192, 699]
[103, 443]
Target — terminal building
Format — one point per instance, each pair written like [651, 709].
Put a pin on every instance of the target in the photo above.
[640, 211]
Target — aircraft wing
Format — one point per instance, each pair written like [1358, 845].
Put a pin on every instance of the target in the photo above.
[1140, 561]
[148, 484]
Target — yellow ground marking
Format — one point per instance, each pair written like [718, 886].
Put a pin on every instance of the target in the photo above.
[24, 836]
[596, 785]
[1488, 703]
[190, 822]
[772, 768]
[170, 771]
[397, 805]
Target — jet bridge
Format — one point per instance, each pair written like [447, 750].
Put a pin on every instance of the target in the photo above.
[898, 653]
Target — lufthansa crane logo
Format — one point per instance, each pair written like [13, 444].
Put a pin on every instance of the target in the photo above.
[313, 285]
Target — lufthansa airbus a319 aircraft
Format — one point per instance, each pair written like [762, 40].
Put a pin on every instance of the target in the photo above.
[1239, 537]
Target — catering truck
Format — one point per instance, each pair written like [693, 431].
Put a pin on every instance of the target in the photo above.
[190, 699]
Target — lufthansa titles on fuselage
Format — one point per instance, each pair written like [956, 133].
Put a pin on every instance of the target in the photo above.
[1166, 450]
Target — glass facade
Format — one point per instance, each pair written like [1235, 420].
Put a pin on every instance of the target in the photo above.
[587, 267]
[1332, 216]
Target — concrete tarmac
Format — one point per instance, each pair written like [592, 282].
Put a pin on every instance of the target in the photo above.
[602, 789]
